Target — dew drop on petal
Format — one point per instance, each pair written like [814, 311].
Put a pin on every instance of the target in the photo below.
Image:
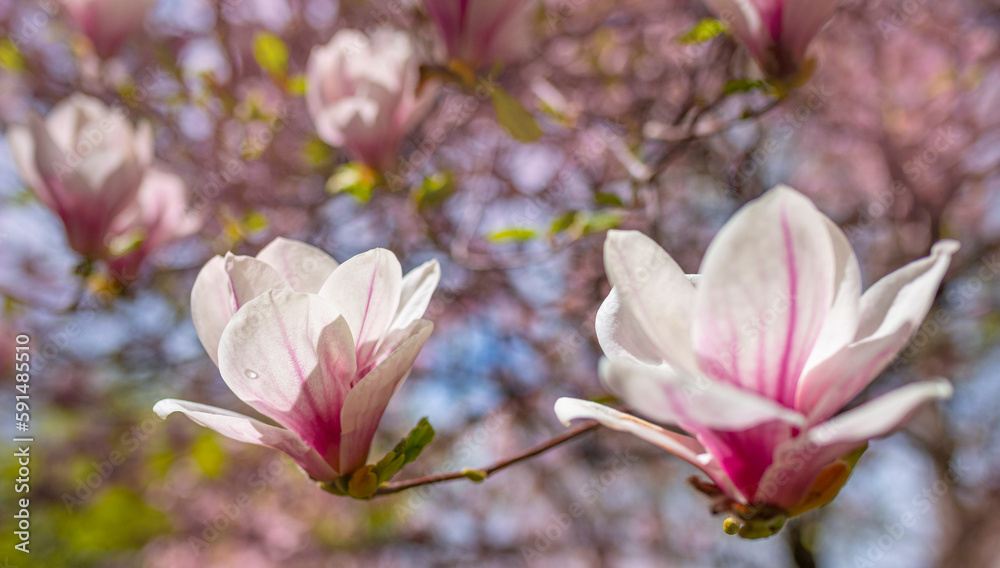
[250, 374]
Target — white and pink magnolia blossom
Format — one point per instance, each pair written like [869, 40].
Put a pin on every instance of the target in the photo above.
[108, 22]
[757, 356]
[159, 216]
[777, 32]
[483, 32]
[362, 93]
[86, 163]
[318, 347]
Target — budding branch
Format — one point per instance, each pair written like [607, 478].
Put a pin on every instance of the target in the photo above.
[400, 486]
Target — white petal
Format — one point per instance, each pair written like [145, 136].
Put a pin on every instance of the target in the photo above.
[655, 291]
[619, 333]
[694, 403]
[249, 278]
[684, 447]
[366, 402]
[418, 287]
[767, 285]
[210, 305]
[366, 289]
[303, 266]
[245, 429]
[891, 313]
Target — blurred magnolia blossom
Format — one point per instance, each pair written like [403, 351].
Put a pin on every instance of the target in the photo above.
[756, 358]
[362, 93]
[482, 32]
[777, 32]
[318, 347]
[86, 163]
[159, 215]
[108, 22]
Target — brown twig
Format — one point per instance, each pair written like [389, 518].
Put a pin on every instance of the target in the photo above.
[482, 474]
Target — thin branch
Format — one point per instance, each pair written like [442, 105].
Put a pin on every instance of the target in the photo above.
[399, 486]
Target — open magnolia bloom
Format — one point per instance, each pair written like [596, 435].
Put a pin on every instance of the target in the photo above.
[318, 348]
[756, 360]
[482, 32]
[362, 93]
[86, 163]
[777, 32]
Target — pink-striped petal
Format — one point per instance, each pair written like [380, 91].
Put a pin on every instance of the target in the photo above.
[671, 396]
[245, 429]
[291, 357]
[417, 289]
[684, 447]
[766, 289]
[366, 290]
[891, 313]
[366, 402]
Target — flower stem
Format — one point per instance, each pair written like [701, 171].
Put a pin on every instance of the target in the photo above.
[481, 474]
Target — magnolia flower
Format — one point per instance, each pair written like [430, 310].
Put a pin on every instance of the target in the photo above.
[777, 32]
[362, 93]
[757, 358]
[316, 347]
[108, 22]
[482, 32]
[85, 162]
[160, 215]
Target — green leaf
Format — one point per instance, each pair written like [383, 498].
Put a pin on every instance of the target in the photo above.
[601, 221]
[563, 222]
[742, 86]
[255, 222]
[296, 85]
[406, 451]
[435, 190]
[271, 53]
[316, 152]
[515, 119]
[704, 31]
[608, 199]
[10, 56]
[354, 178]
[208, 455]
[513, 234]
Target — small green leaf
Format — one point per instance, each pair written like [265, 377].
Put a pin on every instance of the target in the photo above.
[601, 221]
[271, 53]
[316, 152]
[515, 119]
[608, 199]
[354, 178]
[208, 455]
[514, 234]
[704, 31]
[255, 222]
[742, 86]
[563, 222]
[296, 85]
[407, 450]
[435, 190]
[10, 56]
